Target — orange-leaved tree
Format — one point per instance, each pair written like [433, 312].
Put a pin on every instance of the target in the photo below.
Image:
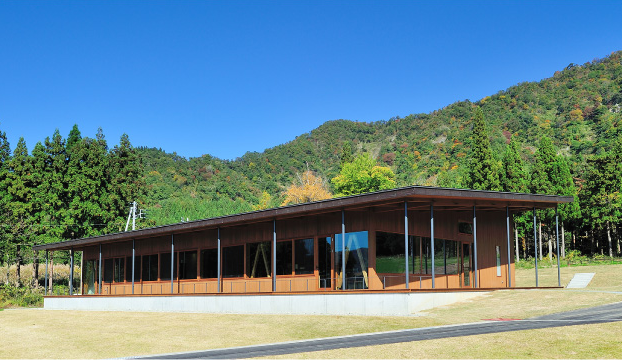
[306, 187]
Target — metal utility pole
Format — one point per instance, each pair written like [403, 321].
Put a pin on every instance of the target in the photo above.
[142, 214]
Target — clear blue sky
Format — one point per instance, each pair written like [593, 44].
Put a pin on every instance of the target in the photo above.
[226, 77]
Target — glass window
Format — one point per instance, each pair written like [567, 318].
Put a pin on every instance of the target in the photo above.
[150, 267]
[258, 259]
[108, 270]
[465, 228]
[499, 260]
[119, 270]
[416, 256]
[284, 258]
[165, 266]
[439, 256]
[303, 256]
[356, 248]
[324, 263]
[128, 268]
[209, 263]
[390, 253]
[452, 257]
[233, 261]
[89, 276]
[188, 265]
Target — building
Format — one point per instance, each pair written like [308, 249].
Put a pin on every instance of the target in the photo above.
[405, 240]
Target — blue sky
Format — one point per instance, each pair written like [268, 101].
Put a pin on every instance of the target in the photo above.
[226, 77]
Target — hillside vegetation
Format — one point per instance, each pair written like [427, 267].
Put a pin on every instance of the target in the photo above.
[57, 191]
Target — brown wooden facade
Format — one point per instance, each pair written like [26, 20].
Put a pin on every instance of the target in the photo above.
[376, 220]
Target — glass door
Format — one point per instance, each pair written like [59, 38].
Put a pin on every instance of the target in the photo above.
[465, 268]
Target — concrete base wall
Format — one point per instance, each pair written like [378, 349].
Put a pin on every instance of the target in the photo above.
[376, 304]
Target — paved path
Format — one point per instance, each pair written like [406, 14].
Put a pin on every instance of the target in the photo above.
[594, 315]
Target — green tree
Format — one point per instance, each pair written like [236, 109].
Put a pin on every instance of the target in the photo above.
[73, 138]
[362, 176]
[346, 154]
[5, 156]
[513, 176]
[483, 168]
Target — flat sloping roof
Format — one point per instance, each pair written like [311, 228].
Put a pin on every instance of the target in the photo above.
[442, 198]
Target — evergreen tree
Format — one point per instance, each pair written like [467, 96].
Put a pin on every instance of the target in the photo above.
[483, 168]
[513, 177]
[74, 137]
[126, 181]
[346, 154]
[5, 156]
[54, 193]
[541, 180]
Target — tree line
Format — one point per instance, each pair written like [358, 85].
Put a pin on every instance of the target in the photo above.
[64, 189]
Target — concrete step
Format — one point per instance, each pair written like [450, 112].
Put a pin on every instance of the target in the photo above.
[580, 280]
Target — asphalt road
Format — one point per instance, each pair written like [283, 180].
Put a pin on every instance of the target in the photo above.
[594, 315]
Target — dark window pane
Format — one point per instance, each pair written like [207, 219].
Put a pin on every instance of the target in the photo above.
[150, 267]
[439, 256]
[284, 258]
[233, 261]
[128, 268]
[324, 250]
[390, 257]
[165, 266]
[119, 270]
[188, 265]
[209, 263]
[465, 228]
[258, 259]
[108, 270]
[304, 256]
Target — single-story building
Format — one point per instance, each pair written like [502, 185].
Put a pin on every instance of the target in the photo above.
[405, 240]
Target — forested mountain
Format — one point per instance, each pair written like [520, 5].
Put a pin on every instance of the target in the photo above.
[577, 108]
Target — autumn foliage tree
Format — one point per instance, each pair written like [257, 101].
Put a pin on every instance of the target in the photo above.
[306, 187]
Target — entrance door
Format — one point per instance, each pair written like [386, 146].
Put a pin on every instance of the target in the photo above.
[465, 268]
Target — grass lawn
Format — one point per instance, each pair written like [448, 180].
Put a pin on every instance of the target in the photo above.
[36, 333]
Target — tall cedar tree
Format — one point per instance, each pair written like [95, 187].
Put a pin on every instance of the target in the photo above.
[602, 190]
[513, 177]
[5, 155]
[483, 168]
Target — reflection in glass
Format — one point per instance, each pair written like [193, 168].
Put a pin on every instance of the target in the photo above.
[356, 256]
[324, 249]
[108, 270]
[90, 277]
[258, 259]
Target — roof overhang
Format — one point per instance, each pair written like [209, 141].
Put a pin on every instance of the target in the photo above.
[443, 199]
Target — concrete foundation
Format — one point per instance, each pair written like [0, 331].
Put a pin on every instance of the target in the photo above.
[374, 304]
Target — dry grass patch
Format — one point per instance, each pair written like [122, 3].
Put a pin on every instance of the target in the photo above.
[607, 278]
[598, 341]
[94, 334]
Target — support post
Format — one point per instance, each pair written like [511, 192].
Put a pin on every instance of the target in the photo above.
[274, 255]
[535, 243]
[133, 263]
[218, 262]
[99, 282]
[406, 252]
[559, 273]
[343, 250]
[475, 277]
[172, 262]
[71, 272]
[45, 283]
[432, 244]
[507, 225]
